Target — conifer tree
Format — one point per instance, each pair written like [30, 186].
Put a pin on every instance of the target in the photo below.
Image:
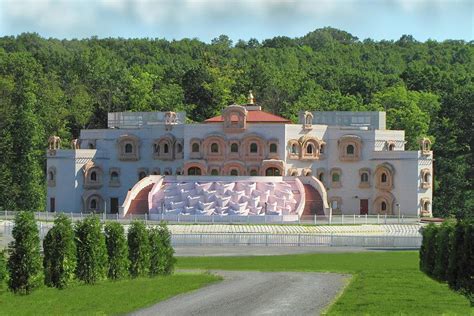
[59, 261]
[24, 262]
[138, 249]
[117, 251]
[91, 251]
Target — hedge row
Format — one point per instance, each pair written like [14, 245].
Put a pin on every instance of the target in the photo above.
[88, 252]
[447, 254]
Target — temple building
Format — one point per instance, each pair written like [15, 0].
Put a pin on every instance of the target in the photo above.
[243, 162]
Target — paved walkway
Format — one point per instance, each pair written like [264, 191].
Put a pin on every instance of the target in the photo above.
[232, 251]
[256, 293]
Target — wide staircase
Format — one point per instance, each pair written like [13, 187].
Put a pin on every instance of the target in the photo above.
[313, 201]
[227, 198]
[139, 204]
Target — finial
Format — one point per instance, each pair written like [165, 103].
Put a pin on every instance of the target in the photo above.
[251, 99]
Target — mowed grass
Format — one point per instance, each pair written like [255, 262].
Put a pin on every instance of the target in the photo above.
[383, 283]
[104, 298]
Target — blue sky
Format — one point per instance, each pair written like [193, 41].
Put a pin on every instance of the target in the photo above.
[239, 19]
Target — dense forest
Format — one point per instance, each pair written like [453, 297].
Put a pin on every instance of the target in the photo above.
[51, 86]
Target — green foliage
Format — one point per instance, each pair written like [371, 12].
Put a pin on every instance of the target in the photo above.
[447, 253]
[117, 251]
[24, 261]
[138, 249]
[91, 250]
[57, 87]
[162, 260]
[428, 249]
[59, 260]
[443, 249]
[3, 269]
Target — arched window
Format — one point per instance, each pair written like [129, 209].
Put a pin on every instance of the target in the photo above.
[93, 204]
[141, 175]
[214, 172]
[234, 172]
[391, 147]
[273, 148]
[364, 177]
[336, 177]
[309, 149]
[114, 176]
[195, 148]
[166, 148]
[253, 148]
[427, 177]
[234, 148]
[294, 149]
[214, 148]
[322, 148]
[253, 172]
[156, 148]
[383, 206]
[272, 172]
[93, 176]
[350, 149]
[426, 206]
[194, 171]
[51, 176]
[321, 177]
[383, 177]
[128, 148]
[179, 148]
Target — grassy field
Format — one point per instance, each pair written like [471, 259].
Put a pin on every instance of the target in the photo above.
[105, 298]
[383, 283]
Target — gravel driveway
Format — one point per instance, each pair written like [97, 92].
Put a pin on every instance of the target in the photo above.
[256, 293]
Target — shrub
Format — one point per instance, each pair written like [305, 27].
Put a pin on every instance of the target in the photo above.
[59, 261]
[428, 249]
[3, 269]
[138, 249]
[456, 244]
[465, 280]
[24, 261]
[117, 251]
[443, 250]
[167, 259]
[91, 251]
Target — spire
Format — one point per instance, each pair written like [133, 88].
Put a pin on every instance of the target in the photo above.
[251, 99]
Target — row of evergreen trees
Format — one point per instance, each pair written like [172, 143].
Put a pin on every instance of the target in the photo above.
[447, 254]
[88, 252]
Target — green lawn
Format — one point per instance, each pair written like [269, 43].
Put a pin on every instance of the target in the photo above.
[105, 298]
[383, 282]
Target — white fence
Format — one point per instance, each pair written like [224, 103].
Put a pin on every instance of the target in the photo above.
[265, 239]
[235, 219]
[298, 240]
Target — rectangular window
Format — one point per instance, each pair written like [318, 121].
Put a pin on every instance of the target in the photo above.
[52, 204]
[114, 205]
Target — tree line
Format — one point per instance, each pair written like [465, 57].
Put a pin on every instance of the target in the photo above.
[51, 86]
[447, 254]
[88, 252]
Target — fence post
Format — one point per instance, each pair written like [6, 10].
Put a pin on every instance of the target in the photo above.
[116, 216]
[365, 219]
[71, 217]
[265, 219]
[315, 219]
[342, 218]
[402, 219]
[146, 218]
[178, 218]
[212, 217]
[385, 222]
[378, 218]
[299, 237]
[103, 216]
[47, 215]
[354, 219]
[80, 216]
